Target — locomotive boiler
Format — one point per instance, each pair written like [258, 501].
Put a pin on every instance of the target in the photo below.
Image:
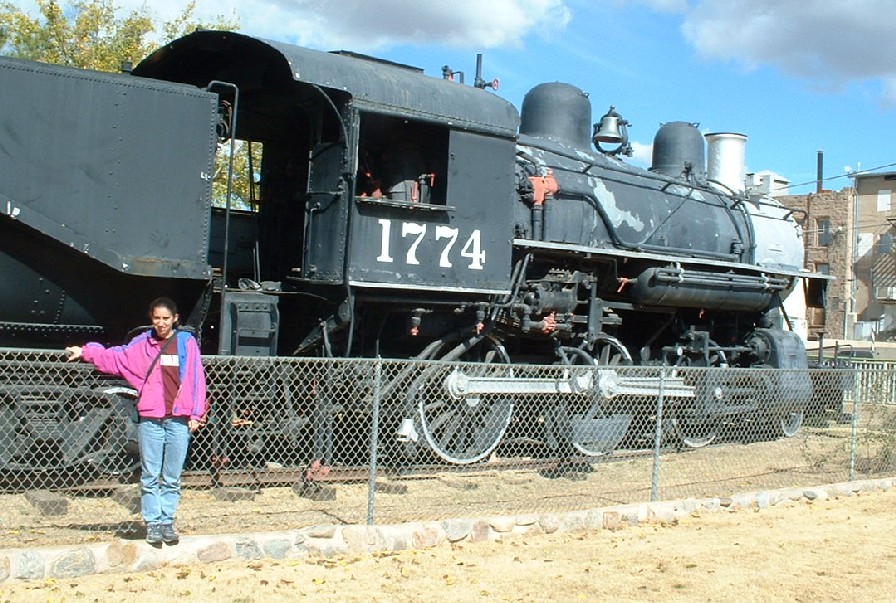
[395, 215]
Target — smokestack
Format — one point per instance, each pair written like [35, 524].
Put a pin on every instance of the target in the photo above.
[820, 172]
[726, 159]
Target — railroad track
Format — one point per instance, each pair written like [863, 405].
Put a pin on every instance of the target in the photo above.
[276, 476]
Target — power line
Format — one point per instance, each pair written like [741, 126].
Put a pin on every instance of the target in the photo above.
[817, 230]
[851, 175]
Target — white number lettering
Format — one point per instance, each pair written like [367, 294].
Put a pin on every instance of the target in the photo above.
[473, 250]
[412, 229]
[446, 232]
[384, 245]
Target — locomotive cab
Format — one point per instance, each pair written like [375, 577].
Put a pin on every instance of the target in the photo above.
[372, 180]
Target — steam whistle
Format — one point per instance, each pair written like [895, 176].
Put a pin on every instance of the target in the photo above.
[481, 83]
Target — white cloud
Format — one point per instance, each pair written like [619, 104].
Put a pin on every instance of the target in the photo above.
[366, 25]
[642, 154]
[890, 88]
[461, 23]
[663, 6]
[830, 43]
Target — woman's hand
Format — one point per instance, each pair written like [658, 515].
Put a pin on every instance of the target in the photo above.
[194, 425]
[73, 352]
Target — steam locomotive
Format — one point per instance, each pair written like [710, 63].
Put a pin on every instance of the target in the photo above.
[394, 215]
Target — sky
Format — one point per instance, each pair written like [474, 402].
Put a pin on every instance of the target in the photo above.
[795, 77]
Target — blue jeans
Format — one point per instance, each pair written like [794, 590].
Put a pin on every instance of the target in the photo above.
[163, 450]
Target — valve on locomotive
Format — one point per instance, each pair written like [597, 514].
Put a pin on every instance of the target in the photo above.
[543, 298]
[554, 302]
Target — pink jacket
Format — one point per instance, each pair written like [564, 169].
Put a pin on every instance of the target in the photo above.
[131, 362]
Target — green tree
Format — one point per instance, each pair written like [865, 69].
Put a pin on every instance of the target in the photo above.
[91, 34]
[95, 34]
[246, 155]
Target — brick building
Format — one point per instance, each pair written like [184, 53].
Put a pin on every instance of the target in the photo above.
[827, 224]
[875, 265]
[849, 234]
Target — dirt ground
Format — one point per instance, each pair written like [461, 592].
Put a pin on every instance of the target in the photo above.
[482, 492]
[825, 550]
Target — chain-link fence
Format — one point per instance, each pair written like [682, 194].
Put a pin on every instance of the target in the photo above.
[292, 442]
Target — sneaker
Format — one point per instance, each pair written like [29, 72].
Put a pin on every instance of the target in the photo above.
[168, 534]
[154, 533]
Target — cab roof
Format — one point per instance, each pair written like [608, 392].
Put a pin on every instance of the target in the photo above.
[255, 64]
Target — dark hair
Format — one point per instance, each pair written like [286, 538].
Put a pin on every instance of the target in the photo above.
[163, 302]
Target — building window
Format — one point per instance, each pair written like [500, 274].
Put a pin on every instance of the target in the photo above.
[816, 317]
[884, 244]
[824, 235]
[883, 200]
[823, 268]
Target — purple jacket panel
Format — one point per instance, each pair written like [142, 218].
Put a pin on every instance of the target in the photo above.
[131, 362]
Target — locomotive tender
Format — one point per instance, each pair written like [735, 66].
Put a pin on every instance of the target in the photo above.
[397, 215]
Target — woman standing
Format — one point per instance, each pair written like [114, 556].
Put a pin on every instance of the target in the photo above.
[164, 365]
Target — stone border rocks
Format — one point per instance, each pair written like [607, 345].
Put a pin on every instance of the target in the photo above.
[123, 556]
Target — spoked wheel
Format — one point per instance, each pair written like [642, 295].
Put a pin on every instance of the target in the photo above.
[466, 429]
[607, 352]
[791, 423]
[693, 428]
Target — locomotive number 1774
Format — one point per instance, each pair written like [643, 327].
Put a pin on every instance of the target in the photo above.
[446, 238]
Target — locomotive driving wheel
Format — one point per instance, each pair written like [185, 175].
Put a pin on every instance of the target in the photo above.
[791, 423]
[694, 428]
[607, 352]
[466, 429]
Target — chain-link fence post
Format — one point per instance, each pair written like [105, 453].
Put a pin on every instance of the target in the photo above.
[374, 440]
[657, 441]
[854, 434]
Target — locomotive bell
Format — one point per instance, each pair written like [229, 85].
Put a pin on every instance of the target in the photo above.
[608, 128]
[613, 129]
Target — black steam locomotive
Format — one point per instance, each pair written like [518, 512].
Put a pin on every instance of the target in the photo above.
[395, 215]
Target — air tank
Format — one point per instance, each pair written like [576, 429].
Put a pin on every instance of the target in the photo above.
[559, 112]
[679, 151]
